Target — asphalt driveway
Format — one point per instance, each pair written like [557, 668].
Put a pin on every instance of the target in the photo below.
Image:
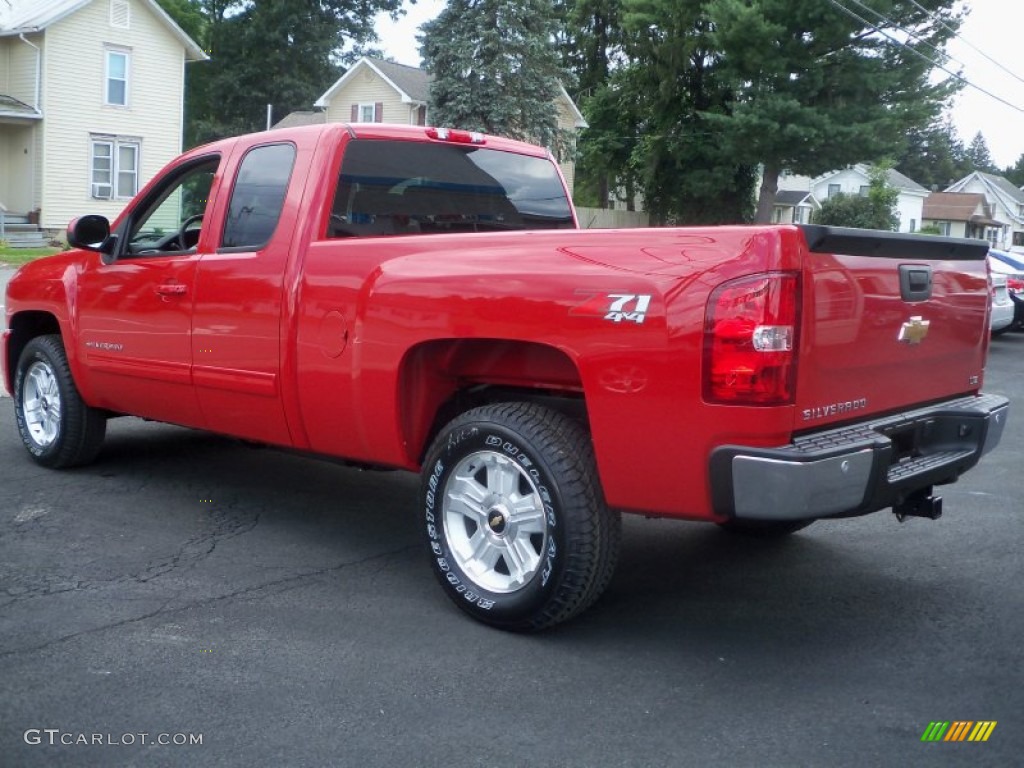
[282, 611]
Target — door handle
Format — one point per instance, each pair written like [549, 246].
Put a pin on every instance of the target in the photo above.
[172, 289]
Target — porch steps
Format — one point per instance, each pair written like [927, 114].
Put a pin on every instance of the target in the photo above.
[18, 233]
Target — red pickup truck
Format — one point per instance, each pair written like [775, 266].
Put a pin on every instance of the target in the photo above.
[422, 299]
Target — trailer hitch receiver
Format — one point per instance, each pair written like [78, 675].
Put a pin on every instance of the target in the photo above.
[919, 504]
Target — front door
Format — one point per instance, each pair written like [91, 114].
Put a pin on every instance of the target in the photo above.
[135, 311]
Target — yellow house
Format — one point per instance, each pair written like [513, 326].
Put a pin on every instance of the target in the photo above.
[91, 103]
[377, 91]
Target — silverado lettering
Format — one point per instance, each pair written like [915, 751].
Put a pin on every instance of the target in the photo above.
[422, 299]
[834, 409]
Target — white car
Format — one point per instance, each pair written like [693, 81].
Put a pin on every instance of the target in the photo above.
[1010, 267]
[1002, 305]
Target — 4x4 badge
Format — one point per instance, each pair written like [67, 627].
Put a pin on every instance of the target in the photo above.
[914, 330]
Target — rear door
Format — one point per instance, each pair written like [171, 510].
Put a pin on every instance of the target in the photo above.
[890, 321]
[236, 320]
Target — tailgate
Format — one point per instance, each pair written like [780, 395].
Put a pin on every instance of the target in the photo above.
[890, 321]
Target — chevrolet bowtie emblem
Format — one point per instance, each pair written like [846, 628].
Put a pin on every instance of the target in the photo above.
[914, 330]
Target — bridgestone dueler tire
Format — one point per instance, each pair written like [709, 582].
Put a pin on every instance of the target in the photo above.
[510, 460]
[77, 429]
[764, 529]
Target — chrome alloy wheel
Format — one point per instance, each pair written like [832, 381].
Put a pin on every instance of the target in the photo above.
[40, 403]
[494, 521]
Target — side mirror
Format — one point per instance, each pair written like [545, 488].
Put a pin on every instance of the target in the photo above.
[89, 232]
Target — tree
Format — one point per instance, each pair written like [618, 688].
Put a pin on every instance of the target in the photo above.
[189, 15]
[279, 52]
[934, 156]
[590, 42]
[1015, 172]
[978, 156]
[876, 210]
[817, 89]
[670, 85]
[495, 68]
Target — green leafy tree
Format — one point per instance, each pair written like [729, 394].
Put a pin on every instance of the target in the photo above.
[189, 15]
[590, 42]
[978, 156]
[816, 89]
[876, 210]
[669, 84]
[495, 68]
[279, 52]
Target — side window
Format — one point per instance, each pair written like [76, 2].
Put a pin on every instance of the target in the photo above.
[171, 218]
[258, 196]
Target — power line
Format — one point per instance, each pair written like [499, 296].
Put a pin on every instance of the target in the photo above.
[892, 23]
[959, 78]
[964, 40]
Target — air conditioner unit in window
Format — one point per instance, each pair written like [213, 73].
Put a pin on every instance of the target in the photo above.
[103, 191]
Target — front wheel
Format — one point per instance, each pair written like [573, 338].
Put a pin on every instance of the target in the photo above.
[56, 426]
[519, 533]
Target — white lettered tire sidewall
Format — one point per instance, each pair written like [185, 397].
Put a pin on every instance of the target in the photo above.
[492, 607]
[568, 577]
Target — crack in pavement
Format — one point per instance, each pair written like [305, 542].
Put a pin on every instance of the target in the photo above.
[163, 609]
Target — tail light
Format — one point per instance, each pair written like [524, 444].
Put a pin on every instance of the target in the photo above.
[750, 340]
[1015, 284]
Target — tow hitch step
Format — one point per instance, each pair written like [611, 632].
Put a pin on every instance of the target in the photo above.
[921, 504]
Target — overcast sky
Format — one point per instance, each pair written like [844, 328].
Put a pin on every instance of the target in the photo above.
[993, 26]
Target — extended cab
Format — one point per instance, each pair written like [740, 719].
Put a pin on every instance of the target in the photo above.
[422, 299]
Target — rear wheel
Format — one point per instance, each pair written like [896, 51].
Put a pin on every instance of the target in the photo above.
[519, 533]
[56, 426]
[764, 529]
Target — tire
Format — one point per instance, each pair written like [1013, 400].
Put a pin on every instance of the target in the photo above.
[764, 529]
[519, 534]
[56, 426]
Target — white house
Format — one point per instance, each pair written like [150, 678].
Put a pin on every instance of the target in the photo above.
[91, 103]
[378, 91]
[1006, 204]
[856, 179]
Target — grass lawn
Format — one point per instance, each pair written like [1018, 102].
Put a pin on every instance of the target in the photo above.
[18, 256]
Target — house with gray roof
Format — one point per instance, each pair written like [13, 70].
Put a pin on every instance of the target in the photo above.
[378, 91]
[856, 180]
[1005, 202]
[794, 206]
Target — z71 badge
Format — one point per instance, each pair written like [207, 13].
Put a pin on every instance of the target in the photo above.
[617, 307]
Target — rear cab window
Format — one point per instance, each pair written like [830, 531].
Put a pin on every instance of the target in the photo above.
[388, 188]
[258, 197]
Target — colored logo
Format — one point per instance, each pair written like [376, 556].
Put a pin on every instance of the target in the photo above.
[959, 730]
